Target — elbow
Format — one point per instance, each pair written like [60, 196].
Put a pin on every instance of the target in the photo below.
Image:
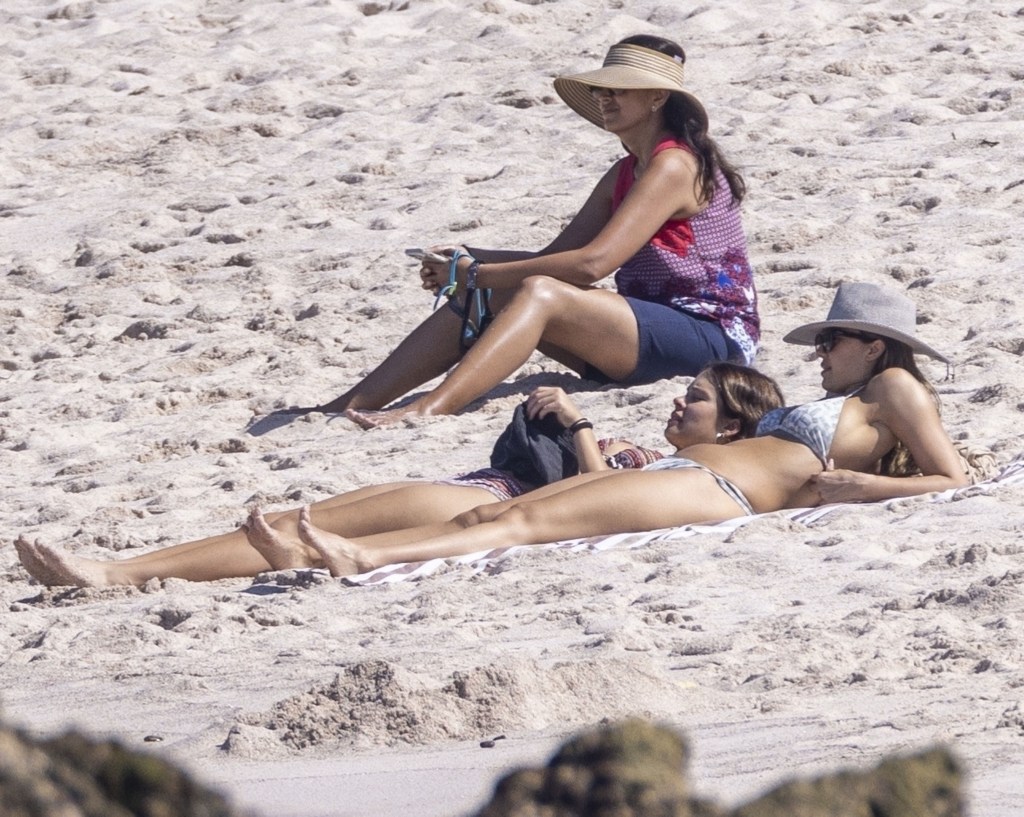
[958, 477]
[593, 268]
[961, 481]
[949, 482]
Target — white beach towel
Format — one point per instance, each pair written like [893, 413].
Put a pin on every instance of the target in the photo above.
[486, 561]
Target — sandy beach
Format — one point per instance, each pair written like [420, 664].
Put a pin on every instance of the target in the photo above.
[203, 213]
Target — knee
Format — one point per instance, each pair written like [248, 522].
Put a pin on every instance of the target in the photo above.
[482, 514]
[474, 516]
[518, 517]
[543, 290]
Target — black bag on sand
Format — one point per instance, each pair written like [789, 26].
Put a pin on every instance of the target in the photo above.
[537, 451]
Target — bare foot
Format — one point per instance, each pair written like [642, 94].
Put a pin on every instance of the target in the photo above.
[54, 568]
[366, 419]
[281, 553]
[341, 556]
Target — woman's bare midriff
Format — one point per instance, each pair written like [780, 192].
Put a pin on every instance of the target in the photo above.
[771, 472]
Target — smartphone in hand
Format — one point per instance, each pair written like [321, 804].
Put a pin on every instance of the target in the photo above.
[426, 255]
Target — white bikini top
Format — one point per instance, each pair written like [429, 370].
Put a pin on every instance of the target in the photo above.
[812, 424]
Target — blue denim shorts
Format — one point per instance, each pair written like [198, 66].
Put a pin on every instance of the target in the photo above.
[672, 344]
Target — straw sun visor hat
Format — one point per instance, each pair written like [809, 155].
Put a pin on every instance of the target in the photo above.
[862, 307]
[627, 67]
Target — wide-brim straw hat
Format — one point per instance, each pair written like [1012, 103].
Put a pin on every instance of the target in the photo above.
[627, 67]
[862, 307]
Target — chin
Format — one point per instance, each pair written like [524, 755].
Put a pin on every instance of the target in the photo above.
[833, 387]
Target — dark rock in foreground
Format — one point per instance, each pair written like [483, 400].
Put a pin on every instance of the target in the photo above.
[72, 776]
[629, 769]
[635, 769]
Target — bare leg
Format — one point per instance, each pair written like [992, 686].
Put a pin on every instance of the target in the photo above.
[358, 513]
[369, 510]
[430, 350]
[482, 512]
[594, 325]
[218, 557]
[288, 542]
[224, 556]
[592, 505]
[406, 505]
[342, 559]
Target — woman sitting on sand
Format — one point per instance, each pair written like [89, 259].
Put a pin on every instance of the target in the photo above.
[723, 403]
[875, 435]
[666, 217]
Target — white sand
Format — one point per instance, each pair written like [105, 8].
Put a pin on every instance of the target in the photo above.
[232, 183]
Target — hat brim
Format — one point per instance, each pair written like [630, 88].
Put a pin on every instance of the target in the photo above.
[804, 335]
[575, 90]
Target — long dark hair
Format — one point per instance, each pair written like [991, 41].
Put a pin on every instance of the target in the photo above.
[690, 125]
[897, 355]
[744, 393]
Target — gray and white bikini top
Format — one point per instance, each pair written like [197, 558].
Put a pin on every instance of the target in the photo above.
[812, 424]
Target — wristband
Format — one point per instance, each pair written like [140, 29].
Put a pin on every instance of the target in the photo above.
[580, 424]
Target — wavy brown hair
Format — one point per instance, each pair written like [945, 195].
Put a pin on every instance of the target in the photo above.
[744, 393]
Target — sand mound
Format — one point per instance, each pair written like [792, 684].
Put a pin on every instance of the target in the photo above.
[377, 702]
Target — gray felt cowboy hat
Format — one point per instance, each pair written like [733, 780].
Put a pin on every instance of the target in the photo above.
[627, 67]
[862, 307]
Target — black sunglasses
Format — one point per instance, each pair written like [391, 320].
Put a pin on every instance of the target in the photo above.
[825, 341]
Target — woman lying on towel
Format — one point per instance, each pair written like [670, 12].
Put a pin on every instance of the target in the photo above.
[723, 403]
[875, 435]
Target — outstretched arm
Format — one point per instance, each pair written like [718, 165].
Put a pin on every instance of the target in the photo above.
[597, 242]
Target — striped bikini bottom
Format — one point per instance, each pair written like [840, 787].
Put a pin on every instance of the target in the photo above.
[669, 463]
[501, 484]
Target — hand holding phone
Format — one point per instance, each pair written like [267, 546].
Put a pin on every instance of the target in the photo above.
[427, 255]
